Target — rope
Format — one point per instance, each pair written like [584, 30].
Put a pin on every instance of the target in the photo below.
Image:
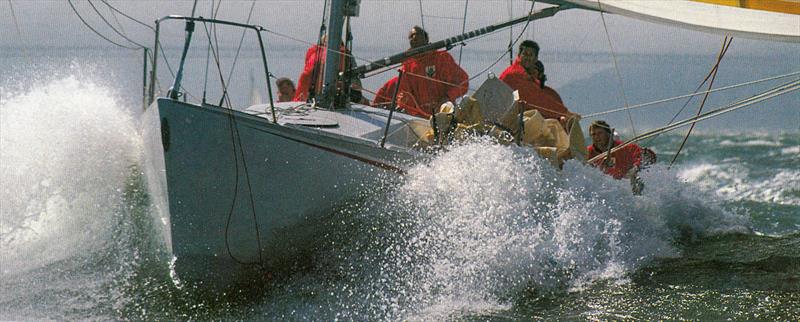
[725, 45]
[208, 57]
[616, 66]
[692, 94]
[780, 90]
[444, 17]
[19, 32]
[93, 30]
[235, 137]
[510, 32]
[127, 16]
[241, 40]
[312, 88]
[112, 27]
[119, 24]
[510, 45]
[421, 15]
[463, 29]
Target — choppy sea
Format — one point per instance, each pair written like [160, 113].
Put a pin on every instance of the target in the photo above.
[482, 232]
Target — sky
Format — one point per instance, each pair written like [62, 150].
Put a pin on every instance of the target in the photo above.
[381, 24]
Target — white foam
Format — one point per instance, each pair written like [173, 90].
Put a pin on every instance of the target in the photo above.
[750, 143]
[731, 181]
[65, 149]
[485, 221]
[794, 150]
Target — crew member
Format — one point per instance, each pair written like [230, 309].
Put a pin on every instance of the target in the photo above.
[385, 93]
[309, 84]
[623, 163]
[524, 76]
[539, 75]
[286, 90]
[430, 78]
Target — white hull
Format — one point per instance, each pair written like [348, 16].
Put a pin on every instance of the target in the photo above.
[244, 192]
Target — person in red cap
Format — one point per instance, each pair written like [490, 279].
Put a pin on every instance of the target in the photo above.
[526, 77]
[623, 163]
[430, 78]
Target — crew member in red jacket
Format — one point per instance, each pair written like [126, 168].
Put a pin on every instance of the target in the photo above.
[385, 94]
[524, 76]
[539, 75]
[312, 73]
[309, 84]
[623, 163]
[430, 78]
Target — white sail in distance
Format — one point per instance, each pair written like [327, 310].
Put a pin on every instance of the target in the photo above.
[776, 20]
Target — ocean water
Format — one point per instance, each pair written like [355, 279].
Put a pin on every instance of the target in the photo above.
[482, 232]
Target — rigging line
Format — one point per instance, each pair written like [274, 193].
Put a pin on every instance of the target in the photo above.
[510, 32]
[112, 26]
[421, 15]
[119, 24]
[93, 30]
[710, 72]
[127, 16]
[241, 41]
[722, 52]
[587, 34]
[235, 136]
[463, 29]
[777, 91]
[208, 57]
[312, 88]
[616, 66]
[19, 32]
[194, 7]
[620, 109]
[357, 58]
[217, 55]
[444, 17]
[312, 44]
[510, 45]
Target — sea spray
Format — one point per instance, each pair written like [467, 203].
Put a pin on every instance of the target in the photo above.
[482, 224]
[67, 149]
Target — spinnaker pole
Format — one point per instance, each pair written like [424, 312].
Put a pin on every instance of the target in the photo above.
[360, 71]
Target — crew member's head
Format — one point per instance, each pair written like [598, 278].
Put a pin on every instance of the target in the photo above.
[528, 54]
[285, 89]
[417, 37]
[601, 134]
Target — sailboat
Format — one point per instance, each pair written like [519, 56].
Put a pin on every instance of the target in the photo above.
[246, 190]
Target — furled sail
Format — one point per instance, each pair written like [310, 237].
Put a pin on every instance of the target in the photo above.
[777, 20]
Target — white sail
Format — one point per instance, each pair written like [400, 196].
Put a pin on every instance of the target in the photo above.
[777, 20]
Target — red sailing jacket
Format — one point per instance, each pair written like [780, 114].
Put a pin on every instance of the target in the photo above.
[314, 68]
[546, 100]
[421, 96]
[621, 161]
[386, 93]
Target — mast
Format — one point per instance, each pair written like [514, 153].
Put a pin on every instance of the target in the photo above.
[335, 22]
[336, 19]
